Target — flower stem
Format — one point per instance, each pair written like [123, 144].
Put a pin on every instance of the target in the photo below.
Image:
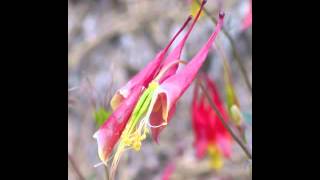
[234, 49]
[76, 169]
[234, 136]
[107, 173]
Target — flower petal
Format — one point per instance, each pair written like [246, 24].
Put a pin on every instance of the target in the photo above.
[247, 22]
[109, 133]
[222, 136]
[176, 53]
[224, 143]
[201, 148]
[156, 119]
[168, 171]
[199, 125]
[144, 76]
[173, 87]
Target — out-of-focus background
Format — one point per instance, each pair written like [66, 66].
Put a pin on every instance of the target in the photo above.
[111, 40]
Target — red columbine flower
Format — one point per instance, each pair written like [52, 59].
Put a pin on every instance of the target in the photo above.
[210, 135]
[151, 111]
[124, 101]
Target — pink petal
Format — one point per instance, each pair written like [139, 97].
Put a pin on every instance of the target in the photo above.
[207, 127]
[168, 171]
[201, 148]
[173, 87]
[177, 84]
[156, 119]
[144, 77]
[176, 53]
[109, 133]
[222, 137]
[224, 143]
[200, 127]
[199, 123]
[247, 22]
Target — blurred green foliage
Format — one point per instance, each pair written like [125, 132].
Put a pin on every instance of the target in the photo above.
[101, 115]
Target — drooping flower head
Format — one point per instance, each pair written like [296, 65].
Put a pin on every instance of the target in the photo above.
[210, 135]
[162, 85]
[125, 100]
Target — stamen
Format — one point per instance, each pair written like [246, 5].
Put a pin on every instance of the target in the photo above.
[116, 160]
[99, 164]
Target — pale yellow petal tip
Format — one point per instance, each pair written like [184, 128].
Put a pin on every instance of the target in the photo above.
[116, 100]
[236, 115]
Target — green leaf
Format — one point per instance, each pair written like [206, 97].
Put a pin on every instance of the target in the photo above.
[101, 115]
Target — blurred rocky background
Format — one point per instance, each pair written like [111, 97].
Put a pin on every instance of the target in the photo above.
[111, 40]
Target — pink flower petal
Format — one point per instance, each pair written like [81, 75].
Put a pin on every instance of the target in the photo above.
[201, 148]
[224, 143]
[109, 133]
[207, 125]
[176, 53]
[156, 119]
[247, 22]
[173, 87]
[168, 171]
[146, 75]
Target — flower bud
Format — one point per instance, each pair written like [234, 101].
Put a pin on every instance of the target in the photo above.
[236, 116]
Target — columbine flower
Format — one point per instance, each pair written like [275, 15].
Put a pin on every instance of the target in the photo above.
[124, 101]
[210, 135]
[162, 87]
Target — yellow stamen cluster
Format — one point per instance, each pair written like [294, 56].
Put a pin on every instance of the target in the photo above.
[216, 161]
[138, 125]
[136, 130]
[135, 139]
